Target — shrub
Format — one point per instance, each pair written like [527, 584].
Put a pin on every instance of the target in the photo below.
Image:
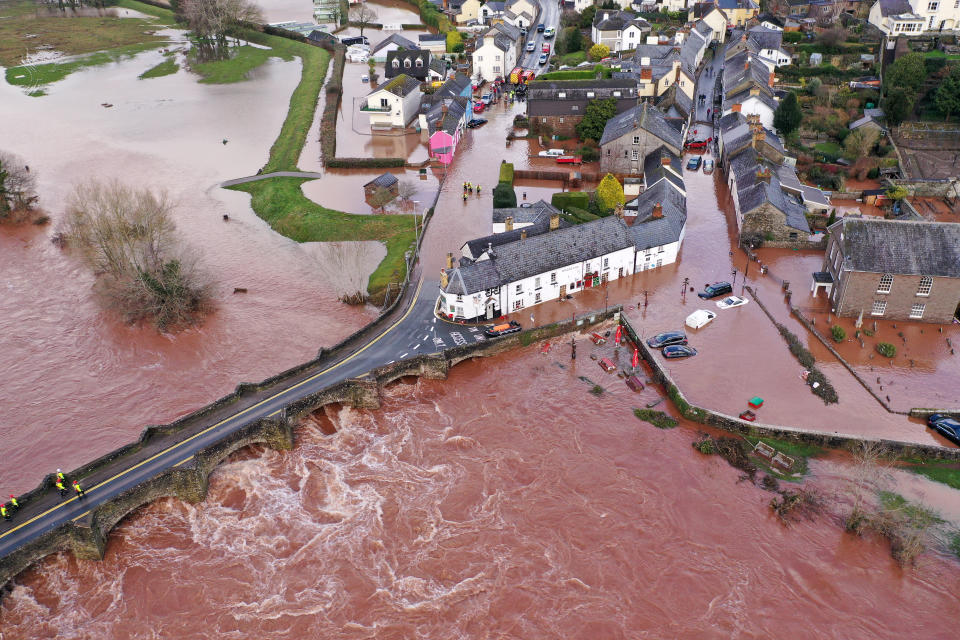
[792, 37]
[357, 163]
[504, 196]
[657, 418]
[589, 153]
[596, 390]
[454, 40]
[839, 335]
[567, 199]
[581, 215]
[874, 173]
[609, 193]
[506, 173]
[598, 52]
[886, 349]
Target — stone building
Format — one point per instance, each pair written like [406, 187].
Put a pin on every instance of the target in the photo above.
[558, 106]
[892, 269]
[632, 135]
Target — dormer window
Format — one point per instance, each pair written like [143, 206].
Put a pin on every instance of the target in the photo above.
[419, 62]
[396, 64]
[406, 64]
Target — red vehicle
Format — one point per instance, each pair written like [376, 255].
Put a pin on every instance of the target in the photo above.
[478, 107]
[569, 160]
[528, 76]
[545, 48]
[607, 365]
[698, 144]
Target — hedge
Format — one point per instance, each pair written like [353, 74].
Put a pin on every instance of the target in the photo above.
[506, 173]
[823, 71]
[504, 196]
[567, 199]
[430, 15]
[358, 163]
[582, 215]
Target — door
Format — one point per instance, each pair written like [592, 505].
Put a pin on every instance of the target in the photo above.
[563, 291]
[491, 314]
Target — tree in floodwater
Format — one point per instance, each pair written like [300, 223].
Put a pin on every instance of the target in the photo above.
[128, 238]
[18, 190]
[347, 266]
[211, 20]
[363, 16]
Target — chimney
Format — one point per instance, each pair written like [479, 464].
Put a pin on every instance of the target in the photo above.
[444, 279]
[763, 174]
[753, 119]
[771, 80]
[443, 107]
[743, 38]
[735, 107]
[554, 222]
[758, 136]
[657, 211]
[676, 76]
[646, 74]
[449, 261]
[508, 223]
[746, 64]
[665, 160]
[523, 234]
[489, 249]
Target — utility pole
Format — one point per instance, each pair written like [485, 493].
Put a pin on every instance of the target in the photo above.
[573, 348]
[683, 293]
[646, 299]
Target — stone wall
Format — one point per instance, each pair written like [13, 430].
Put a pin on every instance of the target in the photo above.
[858, 291]
[87, 538]
[931, 188]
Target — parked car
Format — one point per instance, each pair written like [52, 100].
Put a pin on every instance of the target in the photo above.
[731, 302]
[716, 289]
[678, 351]
[551, 153]
[694, 163]
[543, 59]
[476, 122]
[540, 28]
[486, 99]
[708, 166]
[667, 338]
[946, 426]
[478, 107]
[549, 32]
[700, 318]
[523, 31]
[531, 46]
[495, 331]
[545, 48]
[355, 40]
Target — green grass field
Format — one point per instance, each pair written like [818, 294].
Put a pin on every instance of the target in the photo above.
[165, 68]
[282, 204]
[234, 68]
[41, 74]
[939, 471]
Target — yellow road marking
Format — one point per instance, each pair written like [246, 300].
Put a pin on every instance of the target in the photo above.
[225, 420]
[184, 460]
[81, 515]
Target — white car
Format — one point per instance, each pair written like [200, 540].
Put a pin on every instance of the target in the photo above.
[700, 318]
[531, 46]
[732, 301]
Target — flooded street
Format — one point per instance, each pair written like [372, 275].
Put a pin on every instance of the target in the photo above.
[464, 509]
[76, 383]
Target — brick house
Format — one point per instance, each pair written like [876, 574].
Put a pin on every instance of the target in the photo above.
[559, 105]
[385, 181]
[892, 269]
[628, 138]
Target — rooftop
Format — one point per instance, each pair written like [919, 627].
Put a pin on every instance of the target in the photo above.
[901, 247]
[643, 116]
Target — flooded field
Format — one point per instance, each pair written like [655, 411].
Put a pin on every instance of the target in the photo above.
[463, 509]
[84, 382]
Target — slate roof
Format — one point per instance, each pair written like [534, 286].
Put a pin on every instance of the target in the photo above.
[677, 103]
[432, 107]
[704, 30]
[439, 66]
[654, 171]
[505, 28]
[431, 37]
[739, 98]
[646, 117]
[760, 192]
[403, 85]
[514, 261]
[895, 7]
[702, 9]
[454, 86]
[577, 89]
[539, 225]
[525, 215]
[396, 39]
[765, 38]
[607, 20]
[384, 181]
[736, 4]
[321, 36]
[901, 247]
[402, 57]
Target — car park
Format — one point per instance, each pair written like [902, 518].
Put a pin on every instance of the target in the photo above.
[732, 301]
[693, 163]
[667, 338]
[946, 426]
[543, 59]
[531, 46]
[716, 289]
[498, 330]
[476, 122]
[678, 351]
[700, 318]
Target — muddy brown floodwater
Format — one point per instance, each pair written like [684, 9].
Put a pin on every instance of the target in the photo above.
[506, 502]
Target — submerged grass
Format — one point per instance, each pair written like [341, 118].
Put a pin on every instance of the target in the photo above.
[41, 74]
[165, 68]
[282, 204]
[240, 61]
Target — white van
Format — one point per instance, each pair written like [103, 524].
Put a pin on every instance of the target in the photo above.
[551, 153]
[700, 318]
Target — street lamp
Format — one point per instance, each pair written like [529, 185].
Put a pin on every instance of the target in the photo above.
[416, 237]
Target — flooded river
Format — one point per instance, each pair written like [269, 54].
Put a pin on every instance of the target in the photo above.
[465, 509]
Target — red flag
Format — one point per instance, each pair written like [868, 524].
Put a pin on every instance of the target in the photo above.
[619, 333]
[636, 358]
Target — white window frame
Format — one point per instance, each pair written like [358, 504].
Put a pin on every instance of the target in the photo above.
[553, 278]
[885, 284]
[635, 155]
[916, 311]
[926, 282]
[879, 308]
[636, 139]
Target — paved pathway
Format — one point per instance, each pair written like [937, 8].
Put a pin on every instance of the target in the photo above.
[275, 174]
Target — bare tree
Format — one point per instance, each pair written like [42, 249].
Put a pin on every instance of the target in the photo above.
[859, 143]
[18, 189]
[867, 477]
[128, 239]
[211, 20]
[406, 190]
[363, 16]
[348, 265]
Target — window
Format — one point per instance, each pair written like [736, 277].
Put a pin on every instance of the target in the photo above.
[518, 304]
[519, 288]
[406, 64]
[479, 58]
[636, 139]
[536, 282]
[659, 263]
[626, 154]
[886, 283]
[497, 58]
[537, 298]
[590, 94]
[562, 94]
[660, 249]
[682, 83]
[586, 267]
[561, 120]
[606, 263]
[933, 6]
[608, 152]
[836, 262]
[384, 102]
[496, 68]
[459, 298]
[396, 64]
[916, 311]
[616, 94]
[879, 308]
[419, 62]
[574, 107]
[926, 282]
[635, 155]
[553, 278]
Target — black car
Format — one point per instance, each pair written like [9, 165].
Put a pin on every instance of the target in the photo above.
[540, 28]
[356, 40]
[678, 351]
[667, 338]
[476, 122]
[946, 426]
[495, 331]
[716, 289]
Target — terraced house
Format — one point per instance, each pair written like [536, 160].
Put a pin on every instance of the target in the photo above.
[558, 106]
[915, 17]
[901, 270]
[628, 138]
[496, 52]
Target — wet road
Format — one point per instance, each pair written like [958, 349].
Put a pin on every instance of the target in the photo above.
[549, 17]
